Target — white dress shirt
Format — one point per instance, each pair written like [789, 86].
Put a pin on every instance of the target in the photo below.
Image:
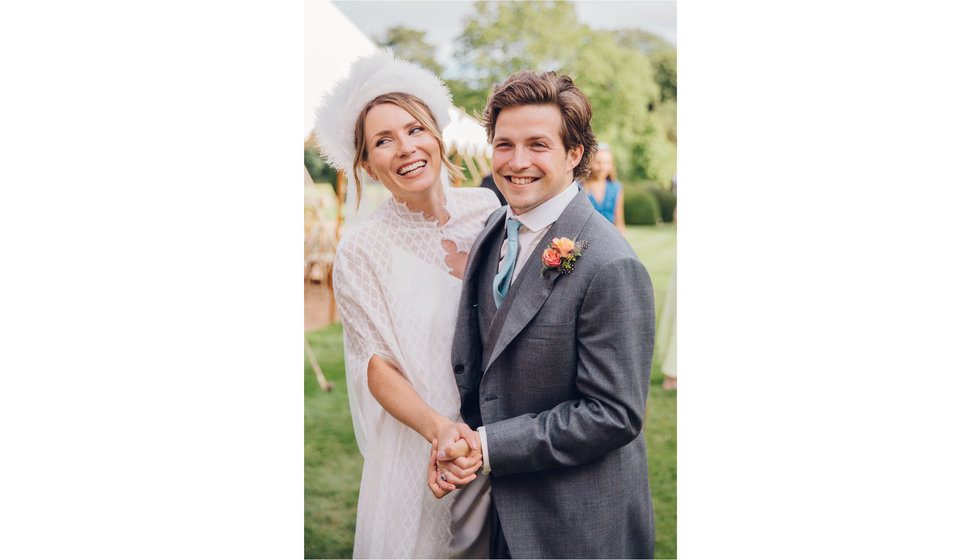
[535, 224]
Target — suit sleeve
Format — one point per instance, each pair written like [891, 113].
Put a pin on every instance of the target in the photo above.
[615, 332]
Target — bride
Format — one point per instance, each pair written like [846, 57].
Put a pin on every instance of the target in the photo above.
[397, 278]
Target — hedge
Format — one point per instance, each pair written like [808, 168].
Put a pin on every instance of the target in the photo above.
[647, 204]
[640, 207]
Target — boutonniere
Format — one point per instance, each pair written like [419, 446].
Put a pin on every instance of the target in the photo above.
[561, 254]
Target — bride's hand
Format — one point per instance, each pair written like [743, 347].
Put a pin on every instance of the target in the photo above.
[437, 486]
[461, 464]
[459, 456]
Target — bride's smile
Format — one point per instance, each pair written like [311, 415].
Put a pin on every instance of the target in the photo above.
[401, 153]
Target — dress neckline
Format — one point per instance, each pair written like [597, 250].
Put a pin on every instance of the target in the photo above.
[403, 212]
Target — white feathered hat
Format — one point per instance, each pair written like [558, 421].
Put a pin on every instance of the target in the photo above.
[369, 77]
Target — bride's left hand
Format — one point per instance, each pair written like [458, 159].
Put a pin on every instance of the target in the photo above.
[461, 463]
[437, 486]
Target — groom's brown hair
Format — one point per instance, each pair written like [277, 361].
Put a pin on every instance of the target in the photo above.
[547, 88]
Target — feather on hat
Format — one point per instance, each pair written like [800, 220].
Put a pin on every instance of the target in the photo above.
[370, 76]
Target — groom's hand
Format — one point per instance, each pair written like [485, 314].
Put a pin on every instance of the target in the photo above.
[456, 441]
[441, 480]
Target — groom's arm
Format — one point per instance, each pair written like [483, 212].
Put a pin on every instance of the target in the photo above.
[615, 335]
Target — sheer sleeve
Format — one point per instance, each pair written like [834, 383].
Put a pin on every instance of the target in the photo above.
[367, 332]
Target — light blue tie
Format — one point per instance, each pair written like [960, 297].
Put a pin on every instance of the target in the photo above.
[501, 282]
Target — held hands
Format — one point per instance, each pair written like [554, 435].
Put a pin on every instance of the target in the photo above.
[459, 456]
[455, 462]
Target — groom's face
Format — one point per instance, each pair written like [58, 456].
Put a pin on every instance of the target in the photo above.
[530, 162]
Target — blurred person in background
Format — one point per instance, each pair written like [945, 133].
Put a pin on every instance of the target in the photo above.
[667, 335]
[605, 192]
[667, 330]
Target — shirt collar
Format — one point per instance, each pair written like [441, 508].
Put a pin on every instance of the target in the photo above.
[548, 211]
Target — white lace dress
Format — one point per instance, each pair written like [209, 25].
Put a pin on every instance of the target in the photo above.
[397, 299]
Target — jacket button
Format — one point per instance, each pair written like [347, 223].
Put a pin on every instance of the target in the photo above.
[458, 368]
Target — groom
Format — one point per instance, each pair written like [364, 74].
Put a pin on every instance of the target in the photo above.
[553, 348]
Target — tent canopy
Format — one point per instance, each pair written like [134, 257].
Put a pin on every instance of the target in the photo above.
[332, 43]
[466, 135]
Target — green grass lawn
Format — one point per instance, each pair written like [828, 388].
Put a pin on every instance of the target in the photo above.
[333, 463]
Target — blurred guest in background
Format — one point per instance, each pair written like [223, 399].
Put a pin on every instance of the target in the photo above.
[667, 335]
[605, 192]
[667, 331]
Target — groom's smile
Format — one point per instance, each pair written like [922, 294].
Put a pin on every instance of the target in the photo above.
[530, 162]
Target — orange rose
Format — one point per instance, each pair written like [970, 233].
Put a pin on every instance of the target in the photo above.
[565, 246]
[551, 257]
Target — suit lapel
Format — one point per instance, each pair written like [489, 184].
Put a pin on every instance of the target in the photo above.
[531, 288]
[468, 340]
[484, 279]
[483, 243]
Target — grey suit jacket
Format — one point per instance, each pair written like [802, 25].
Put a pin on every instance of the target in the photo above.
[559, 377]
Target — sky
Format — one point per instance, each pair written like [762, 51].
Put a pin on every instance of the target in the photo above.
[443, 21]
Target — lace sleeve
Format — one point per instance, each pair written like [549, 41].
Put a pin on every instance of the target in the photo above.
[366, 331]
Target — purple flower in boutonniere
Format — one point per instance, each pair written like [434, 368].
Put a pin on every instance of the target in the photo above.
[561, 254]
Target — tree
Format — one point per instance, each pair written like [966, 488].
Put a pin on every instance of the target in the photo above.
[410, 44]
[619, 84]
[643, 41]
[504, 37]
[661, 54]
[471, 99]
[665, 72]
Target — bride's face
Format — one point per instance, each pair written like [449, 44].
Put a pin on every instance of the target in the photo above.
[401, 153]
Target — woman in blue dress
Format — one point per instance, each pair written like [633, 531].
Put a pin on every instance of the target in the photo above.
[605, 192]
